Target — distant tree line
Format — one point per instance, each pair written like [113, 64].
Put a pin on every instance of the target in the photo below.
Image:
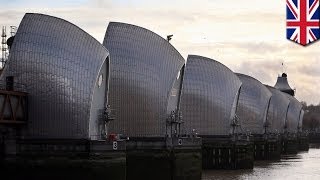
[311, 119]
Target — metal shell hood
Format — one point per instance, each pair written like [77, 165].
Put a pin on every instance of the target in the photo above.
[209, 96]
[301, 120]
[293, 115]
[59, 63]
[277, 111]
[144, 69]
[253, 104]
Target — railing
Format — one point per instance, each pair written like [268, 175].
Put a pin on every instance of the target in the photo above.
[14, 86]
[13, 103]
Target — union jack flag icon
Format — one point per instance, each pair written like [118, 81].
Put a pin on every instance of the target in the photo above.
[303, 21]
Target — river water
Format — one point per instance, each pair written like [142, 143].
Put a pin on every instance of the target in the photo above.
[304, 165]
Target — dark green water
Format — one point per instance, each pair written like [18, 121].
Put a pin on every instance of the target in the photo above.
[304, 165]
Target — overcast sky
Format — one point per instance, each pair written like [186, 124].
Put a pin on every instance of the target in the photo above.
[248, 35]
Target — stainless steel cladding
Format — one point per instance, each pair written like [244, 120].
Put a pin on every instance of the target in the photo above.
[64, 70]
[293, 115]
[277, 111]
[209, 97]
[144, 70]
[301, 120]
[253, 104]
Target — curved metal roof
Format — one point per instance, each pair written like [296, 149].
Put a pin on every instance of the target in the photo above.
[144, 70]
[253, 104]
[60, 64]
[293, 115]
[209, 96]
[277, 111]
[300, 125]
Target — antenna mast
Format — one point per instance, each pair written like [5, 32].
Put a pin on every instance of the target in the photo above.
[283, 66]
[3, 46]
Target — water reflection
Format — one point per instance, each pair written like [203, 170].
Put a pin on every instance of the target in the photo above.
[305, 165]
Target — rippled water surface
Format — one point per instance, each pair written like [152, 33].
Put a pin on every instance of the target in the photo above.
[304, 165]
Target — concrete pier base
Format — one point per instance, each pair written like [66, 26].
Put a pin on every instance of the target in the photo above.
[289, 144]
[314, 137]
[303, 142]
[259, 147]
[267, 147]
[63, 159]
[164, 158]
[226, 153]
[273, 148]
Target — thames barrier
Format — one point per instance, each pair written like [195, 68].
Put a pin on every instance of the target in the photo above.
[133, 108]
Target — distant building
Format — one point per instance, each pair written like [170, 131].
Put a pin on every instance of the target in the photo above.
[283, 85]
